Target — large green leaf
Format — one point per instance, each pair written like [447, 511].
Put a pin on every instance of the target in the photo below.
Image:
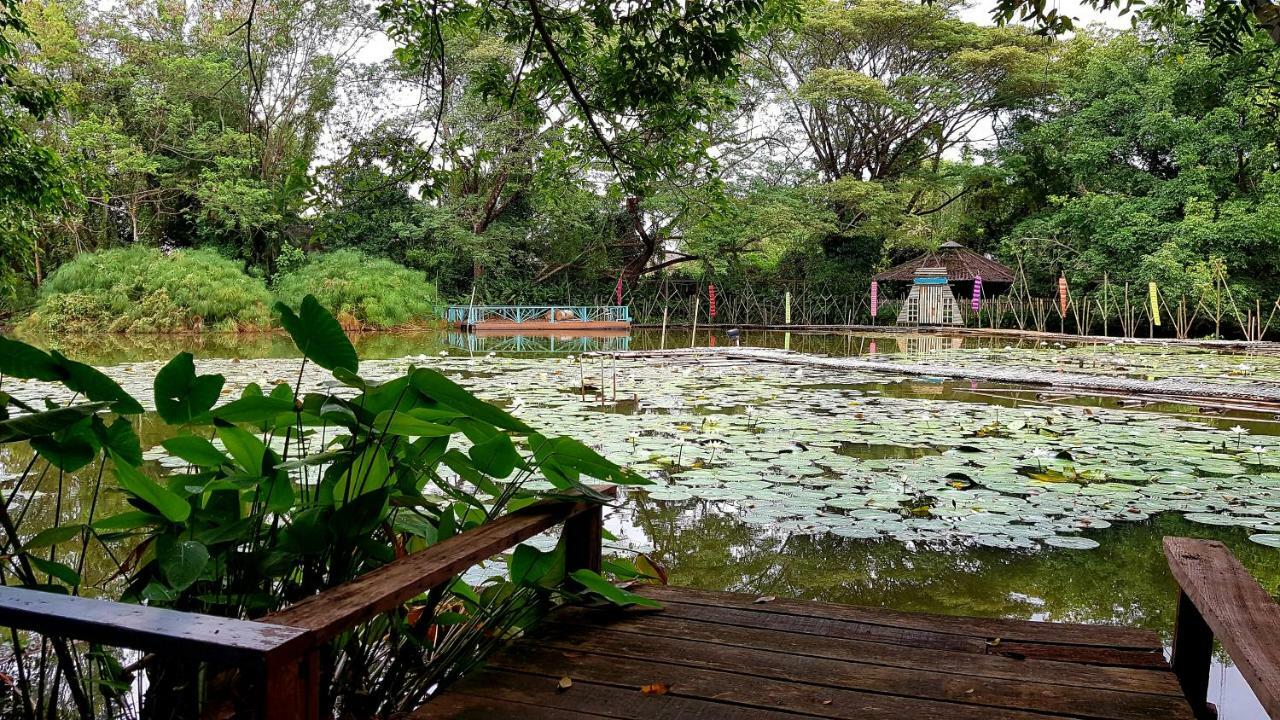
[68, 453]
[318, 335]
[168, 503]
[120, 438]
[496, 456]
[593, 583]
[453, 396]
[55, 569]
[181, 395]
[254, 409]
[25, 427]
[196, 450]
[244, 446]
[530, 566]
[20, 360]
[369, 471]
[53, 536]
[402, 423]
[94, 385]
[180, 561]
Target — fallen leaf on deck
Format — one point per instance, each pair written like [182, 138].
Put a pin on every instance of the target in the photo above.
[764, 599]
[565, 683]
[655, 689]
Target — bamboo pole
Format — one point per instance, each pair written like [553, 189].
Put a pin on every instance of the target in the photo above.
[693, 335]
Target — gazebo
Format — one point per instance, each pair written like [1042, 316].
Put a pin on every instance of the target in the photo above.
[937, 277]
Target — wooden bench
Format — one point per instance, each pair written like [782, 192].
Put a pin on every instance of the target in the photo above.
[1219, 598]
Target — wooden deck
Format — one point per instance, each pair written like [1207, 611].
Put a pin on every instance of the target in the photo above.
[724, 655]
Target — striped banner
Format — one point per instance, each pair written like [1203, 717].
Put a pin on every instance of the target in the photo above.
[977, 292]
[1155, 304]
[875, 297]
[1062, 295]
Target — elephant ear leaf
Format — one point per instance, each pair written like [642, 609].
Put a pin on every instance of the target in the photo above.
[318, 335]
[90, 382]
[183, 396]
[20, 360]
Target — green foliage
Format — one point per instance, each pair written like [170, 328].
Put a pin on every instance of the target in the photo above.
[1155, 163]
[362, 291]
[361, 478]
[141, 289]
[32, 180]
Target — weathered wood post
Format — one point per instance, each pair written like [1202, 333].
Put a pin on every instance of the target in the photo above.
[583, 538]
[1192, 655]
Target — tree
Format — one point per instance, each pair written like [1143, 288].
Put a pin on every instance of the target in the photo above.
[31, 175]
[1156, 161]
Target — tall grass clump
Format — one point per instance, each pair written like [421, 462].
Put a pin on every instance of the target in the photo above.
[142, 289]
[362, 291]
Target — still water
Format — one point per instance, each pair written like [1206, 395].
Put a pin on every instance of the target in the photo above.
[716, 544]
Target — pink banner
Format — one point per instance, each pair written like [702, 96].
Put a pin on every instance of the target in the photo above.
[977, 292]
[618, 291]
[875, 298]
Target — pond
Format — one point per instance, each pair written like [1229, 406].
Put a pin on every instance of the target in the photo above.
[951, 497]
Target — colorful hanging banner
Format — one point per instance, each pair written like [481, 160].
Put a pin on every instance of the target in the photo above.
[875, 298]
[1155, 304]
[1062, 295]
[977, 292]
[711, 296]
[617, 292]
[788, 314]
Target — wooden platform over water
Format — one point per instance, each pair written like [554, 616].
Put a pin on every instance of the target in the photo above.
[724, 655]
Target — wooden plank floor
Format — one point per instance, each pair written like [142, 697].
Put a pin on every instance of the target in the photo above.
[723, 655]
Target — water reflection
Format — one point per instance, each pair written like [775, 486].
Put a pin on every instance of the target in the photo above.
[1125, 581]
[114, 349]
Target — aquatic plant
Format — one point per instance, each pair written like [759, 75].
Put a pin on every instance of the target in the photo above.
[361, 290]
[275, 496]
[142, 289]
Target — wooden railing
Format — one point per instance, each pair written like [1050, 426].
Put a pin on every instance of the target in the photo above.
[1219, 598]
[281, 652]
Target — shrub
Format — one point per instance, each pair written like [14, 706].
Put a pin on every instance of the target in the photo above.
[140, 289]
[362, 291]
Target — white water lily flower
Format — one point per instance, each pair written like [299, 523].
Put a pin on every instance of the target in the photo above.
[1258, 449]
[444, 353]
[1040, 453]
[1236, 429]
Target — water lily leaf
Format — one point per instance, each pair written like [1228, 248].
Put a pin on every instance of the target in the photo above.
[1071, 543]
[1268, 539]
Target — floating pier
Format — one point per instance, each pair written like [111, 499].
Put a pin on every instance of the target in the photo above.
[517, 318]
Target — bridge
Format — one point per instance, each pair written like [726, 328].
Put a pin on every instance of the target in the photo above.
[507, 318]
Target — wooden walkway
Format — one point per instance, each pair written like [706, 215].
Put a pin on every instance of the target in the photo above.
[723, 655]
[707, 655]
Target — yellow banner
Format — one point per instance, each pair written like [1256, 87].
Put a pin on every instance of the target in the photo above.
[1155, 304]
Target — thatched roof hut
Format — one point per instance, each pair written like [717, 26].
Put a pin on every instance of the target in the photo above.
[962, 265]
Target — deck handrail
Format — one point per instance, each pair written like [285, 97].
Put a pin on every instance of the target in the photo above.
[282, 650]
[1219, 598]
